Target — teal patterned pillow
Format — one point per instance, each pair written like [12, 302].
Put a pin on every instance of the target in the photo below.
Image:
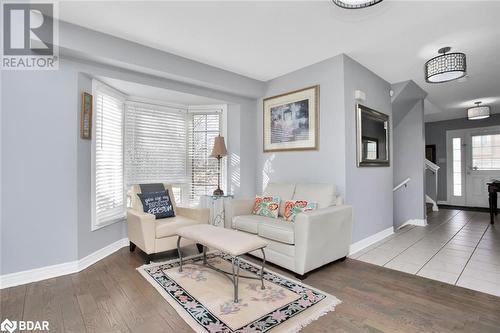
[266, 206]
[294, 207]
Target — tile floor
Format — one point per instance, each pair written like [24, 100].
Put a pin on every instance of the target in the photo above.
[456, 247]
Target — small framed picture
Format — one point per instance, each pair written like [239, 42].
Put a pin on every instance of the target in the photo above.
[291, 121]
[86, 116]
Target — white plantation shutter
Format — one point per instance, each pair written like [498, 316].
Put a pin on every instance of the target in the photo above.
[108, 185]
[203, 128]
[155, 144]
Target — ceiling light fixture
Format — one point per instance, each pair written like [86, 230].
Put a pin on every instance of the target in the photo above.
[478, 112]
[355, 4]
[445, 67]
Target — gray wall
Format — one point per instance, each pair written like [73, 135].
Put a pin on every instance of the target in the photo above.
[368, 189]
[435, 134]
[409, 141]
[325, 165]
[39, 171]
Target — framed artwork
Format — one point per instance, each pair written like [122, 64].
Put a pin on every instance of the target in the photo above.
[291, 121]
[86, 116]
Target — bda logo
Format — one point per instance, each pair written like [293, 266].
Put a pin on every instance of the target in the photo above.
[8, 325]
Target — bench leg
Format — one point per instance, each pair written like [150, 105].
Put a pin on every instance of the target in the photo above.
[236, 276]
[179, 252]
[262, 269]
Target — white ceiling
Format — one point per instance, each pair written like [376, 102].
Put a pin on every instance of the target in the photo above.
[264, 40]
[143, 92]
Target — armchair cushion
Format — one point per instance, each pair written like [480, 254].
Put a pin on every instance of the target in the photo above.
[157, 203]
[168, 227]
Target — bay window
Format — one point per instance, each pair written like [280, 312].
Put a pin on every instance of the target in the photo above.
[139, 143]
[107, 156]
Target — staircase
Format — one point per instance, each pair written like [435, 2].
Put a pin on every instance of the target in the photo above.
[428, 208]
[433, 168]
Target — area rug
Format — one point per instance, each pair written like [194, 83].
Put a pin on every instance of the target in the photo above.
[204, 297]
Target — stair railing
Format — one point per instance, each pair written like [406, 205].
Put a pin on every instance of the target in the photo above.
[403, 183]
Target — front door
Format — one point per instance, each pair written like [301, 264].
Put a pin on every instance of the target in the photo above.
[473, 161]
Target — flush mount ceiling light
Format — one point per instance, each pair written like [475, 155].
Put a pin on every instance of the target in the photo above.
[445, 67]
[478, 112]
[355, 4]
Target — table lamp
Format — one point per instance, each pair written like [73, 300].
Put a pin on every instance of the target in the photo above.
[219, 151]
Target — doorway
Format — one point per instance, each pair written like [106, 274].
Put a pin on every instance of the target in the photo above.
[473, 160]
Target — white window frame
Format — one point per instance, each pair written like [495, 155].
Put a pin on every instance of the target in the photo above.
[97, 85]
[205, 109]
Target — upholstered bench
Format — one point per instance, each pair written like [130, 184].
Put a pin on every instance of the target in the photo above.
[232, 242]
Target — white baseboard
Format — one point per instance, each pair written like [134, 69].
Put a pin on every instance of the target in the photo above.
[48, 272]
[443, 202]
[417, 222]
[360, 245]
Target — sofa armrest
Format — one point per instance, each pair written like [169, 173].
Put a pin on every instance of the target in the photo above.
[237, 207]
[141, 230]
[201, 215]
[322, 236]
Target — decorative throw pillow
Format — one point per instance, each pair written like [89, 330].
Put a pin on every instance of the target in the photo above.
[266, 206]
[157, 203]
[294, 207]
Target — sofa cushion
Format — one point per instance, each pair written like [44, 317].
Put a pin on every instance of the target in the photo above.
[168, 227]
[284, 191]
[249, 223]
[324, 195]
[277, 230]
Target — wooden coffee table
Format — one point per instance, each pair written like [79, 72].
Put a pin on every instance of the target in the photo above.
[229, 241]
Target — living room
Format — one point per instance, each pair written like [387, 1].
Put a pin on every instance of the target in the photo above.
[232, 124]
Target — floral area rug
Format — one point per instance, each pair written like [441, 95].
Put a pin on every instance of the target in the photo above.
[204, 297]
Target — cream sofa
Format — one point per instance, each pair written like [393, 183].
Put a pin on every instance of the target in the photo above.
[154, 236]
[315, 238]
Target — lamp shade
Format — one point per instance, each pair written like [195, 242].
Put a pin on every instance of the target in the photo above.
[478, 112]
[219, 149]
[446, 67]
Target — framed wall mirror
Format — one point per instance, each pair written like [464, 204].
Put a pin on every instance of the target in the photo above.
[372, 137]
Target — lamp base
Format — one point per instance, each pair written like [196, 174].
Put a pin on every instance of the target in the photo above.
[218, 191]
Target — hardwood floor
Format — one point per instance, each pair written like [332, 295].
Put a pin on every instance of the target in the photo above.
[111, 296]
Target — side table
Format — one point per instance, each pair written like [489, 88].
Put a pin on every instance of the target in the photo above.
[216, 204]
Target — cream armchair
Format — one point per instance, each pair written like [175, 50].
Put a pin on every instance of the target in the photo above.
[154, 236]
[316, 237]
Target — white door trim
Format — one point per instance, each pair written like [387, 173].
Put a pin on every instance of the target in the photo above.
[464, 134]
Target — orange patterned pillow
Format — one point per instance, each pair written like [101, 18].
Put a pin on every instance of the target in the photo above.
[266, 206]
[294, 207]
